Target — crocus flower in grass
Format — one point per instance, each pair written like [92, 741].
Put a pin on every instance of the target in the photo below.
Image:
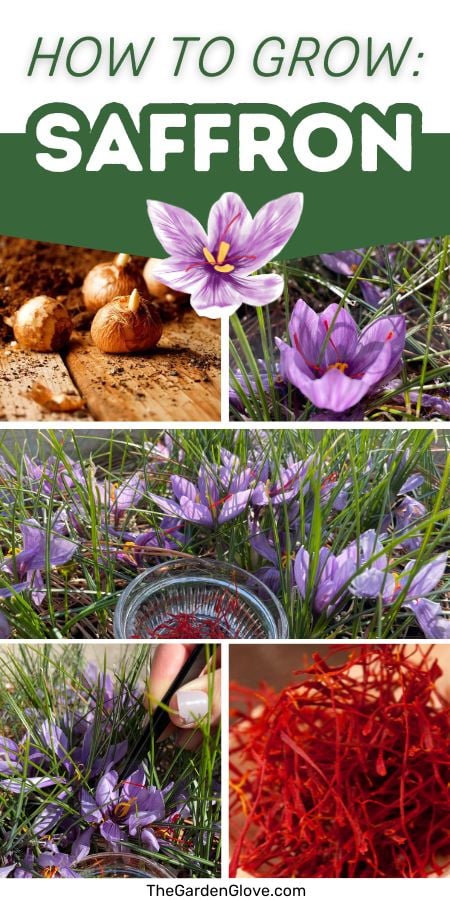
[285, 484]
[122, 809]
[249, 386]
[61, 865]
[38, 548]
[221, 494]
[216, 267]
[389, 586]
[334, 365]
[344, 262]
[24, 869]
[274, 551]
[325, 579]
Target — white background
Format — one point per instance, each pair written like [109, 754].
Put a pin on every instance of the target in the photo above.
[246, 22]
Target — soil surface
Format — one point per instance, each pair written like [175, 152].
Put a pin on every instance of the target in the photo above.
[30, 268]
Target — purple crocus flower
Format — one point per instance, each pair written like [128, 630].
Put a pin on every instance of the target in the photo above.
[161, 451]
[30, 561]
[24, 869]
[285, 486]
[344, 262]
[372, 293]
[423, 582]
[56, 864]
[389, 586]
[216, 267]
[333, 573]
[439, 406]
[263, 541]
[6, 870]
[221, 494]
[54, 472]
[430, 618]
[404, 515]
[11, 765]
[121, 810]
[121, 497]
[333, 364]
[249, 385]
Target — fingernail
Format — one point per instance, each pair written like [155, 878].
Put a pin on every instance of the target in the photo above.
[192, 705]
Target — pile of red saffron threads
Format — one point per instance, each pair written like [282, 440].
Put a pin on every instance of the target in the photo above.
[187, 625]
[218, 622]
[345, 773]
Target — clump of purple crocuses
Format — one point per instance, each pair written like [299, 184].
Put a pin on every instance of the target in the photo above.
[288, 507]
[64, 754]
[379, 351]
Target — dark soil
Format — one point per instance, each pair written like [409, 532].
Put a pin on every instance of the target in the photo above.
[30, 268]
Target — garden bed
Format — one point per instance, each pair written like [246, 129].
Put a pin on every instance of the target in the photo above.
[346, 533]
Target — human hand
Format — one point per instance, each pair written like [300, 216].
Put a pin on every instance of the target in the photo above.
[193, 700]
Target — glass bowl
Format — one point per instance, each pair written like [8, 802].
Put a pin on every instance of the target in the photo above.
[205, 598]
[120, 865]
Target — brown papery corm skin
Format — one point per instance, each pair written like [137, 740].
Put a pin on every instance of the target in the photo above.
[42, 324]
[117, 328]
[109, 280]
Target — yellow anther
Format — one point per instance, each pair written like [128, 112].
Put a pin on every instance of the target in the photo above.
[226, 268]
[122, 809]
[208, 256]
[338, 365]
[222, 252]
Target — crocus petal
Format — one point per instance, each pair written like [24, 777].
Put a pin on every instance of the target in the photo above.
[257, 290]
[134, 783]
[341, 336]
[16, 785]
[372, 293]
[234, 506]
[106, 791]
[427, 579]
[167, 506]
[195, 512]
[89, 807]
[333, 391]
[149, 840]
[373, 582]
[386, 334]
[110, 832]
[301, 569]
[412, 483]
[6, 870]
[81, 846]
[183, 488]
[68, 872]
[229, 220]
[214, 296]
[179, 232]
[182, 274]
[207, 487]
[271, 229]
[430, 618]
[344, 262]
[307, 333]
